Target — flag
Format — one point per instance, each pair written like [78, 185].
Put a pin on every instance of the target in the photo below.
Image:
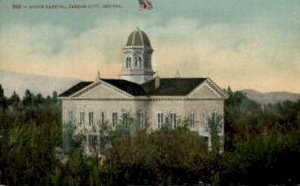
[145, 4]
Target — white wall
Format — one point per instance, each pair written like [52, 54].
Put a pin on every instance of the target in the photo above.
[182, 108]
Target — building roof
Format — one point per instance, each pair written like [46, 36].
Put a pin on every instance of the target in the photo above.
[75, 88]
[172, 86]
[127, 86]
[138, 38]
[168, 87]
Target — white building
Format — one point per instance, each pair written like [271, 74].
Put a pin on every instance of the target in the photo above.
[141, 95]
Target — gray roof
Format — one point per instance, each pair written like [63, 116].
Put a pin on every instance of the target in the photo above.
[127, 86]
[172, 86]
[168, 87]
[138, 38]
[75, 88]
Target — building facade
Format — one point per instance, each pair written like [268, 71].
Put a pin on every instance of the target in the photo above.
[150, 100]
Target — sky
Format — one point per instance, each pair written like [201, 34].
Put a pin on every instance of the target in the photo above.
[244, 44]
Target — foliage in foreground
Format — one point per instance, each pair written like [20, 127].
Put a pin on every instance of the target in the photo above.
[262, 147]
[263, 161]
[162, 157]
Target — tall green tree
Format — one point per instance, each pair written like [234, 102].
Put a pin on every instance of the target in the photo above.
[28, 98]
[3, 100]
[241, 118]
[54, 96]
[214, 129]
[15, 99]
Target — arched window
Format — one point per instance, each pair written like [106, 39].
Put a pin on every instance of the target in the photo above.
[140, 62]
[147, 61]
[205, 118]
[114, 119]
[160, 119]
[135, 61]
[173, 120]
[140, 119]
[129, 62]
[192, 120]
[126, 62]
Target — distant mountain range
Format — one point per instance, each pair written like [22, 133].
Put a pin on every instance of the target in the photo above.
[45, 85]
[270, 97]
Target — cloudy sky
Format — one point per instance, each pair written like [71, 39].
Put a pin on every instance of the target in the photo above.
[239, 43]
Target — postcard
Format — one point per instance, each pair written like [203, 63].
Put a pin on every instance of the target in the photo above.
[156, 92]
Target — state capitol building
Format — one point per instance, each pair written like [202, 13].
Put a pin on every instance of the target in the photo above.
[150, 100]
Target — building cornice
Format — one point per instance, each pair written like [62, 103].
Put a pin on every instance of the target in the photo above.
[95, 84]
[152, 98]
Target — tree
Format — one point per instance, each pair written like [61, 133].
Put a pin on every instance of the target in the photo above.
[1, 91]
[166, 156]
[68, 130]
[54, 96]
[242, 117]
[214, 128]
[3, 101]
[38, 99]
[15, 99]
[263, 161]
[28, 98]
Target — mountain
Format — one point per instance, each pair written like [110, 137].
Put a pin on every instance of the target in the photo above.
[45, 85]
[271, 97]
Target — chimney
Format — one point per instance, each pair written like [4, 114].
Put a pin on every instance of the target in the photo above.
[177, 75]
[156, 82]
[98, 76]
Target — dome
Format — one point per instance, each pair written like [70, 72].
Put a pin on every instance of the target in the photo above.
[138, 38]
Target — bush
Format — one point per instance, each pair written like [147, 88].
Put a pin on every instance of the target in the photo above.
[268, 160]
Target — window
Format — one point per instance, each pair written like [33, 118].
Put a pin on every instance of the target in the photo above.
[128, 62]
[93, 141]
[70, 116]
[205, 119]
[102, 118]
[192, 120]
[215, 117]
[140, 62]
[81, 118]
[160, 120]
[114, 119]
[205, 139]
[173, 120]
[140, 119]
[125, 118]
[147, 61]
[91, 118]
[135, 61]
